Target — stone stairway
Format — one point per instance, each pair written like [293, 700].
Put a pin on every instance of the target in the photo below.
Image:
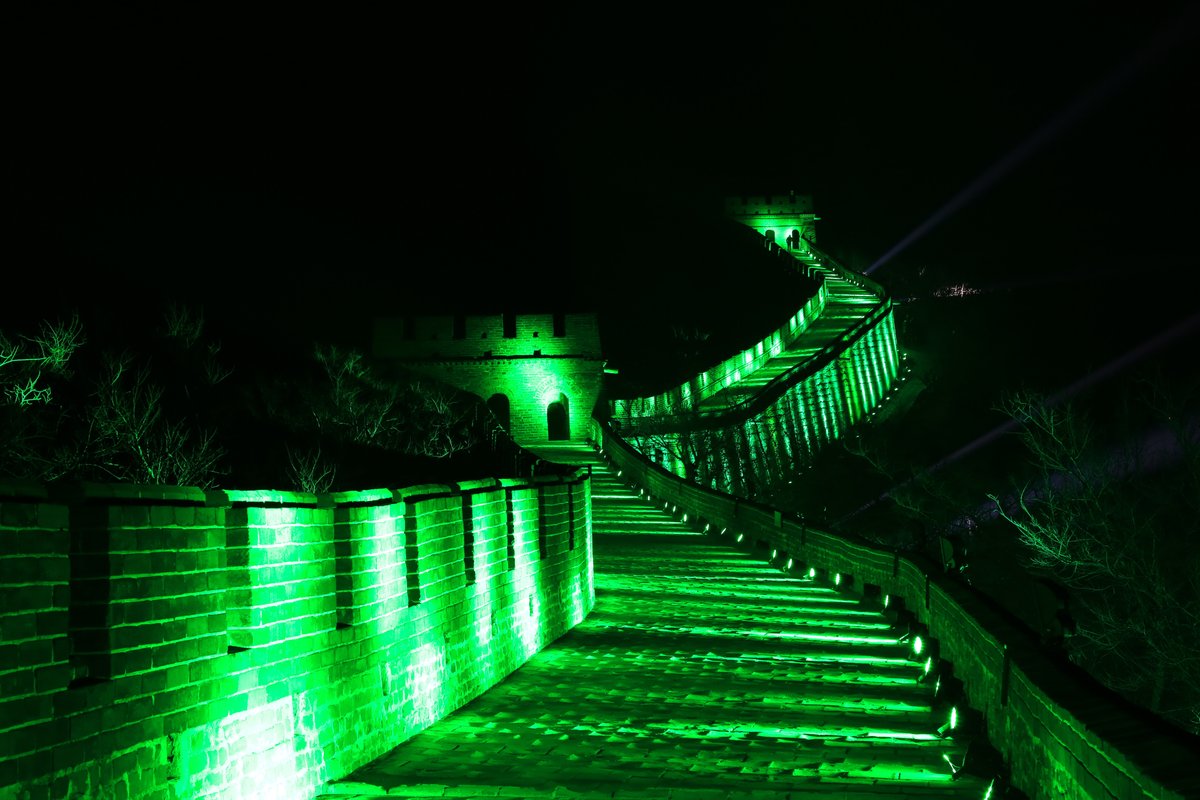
[702, 673]
[845, 305]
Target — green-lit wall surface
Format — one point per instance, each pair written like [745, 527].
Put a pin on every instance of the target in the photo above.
[776, 216]
[1060, 735]
[159, 642]
[778, 429]
[783, 436]
[738, 366]
[531, 368]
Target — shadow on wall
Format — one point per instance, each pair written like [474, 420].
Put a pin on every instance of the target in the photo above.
[558, 419]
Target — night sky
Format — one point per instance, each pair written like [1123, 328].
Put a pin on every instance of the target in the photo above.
[301, 172]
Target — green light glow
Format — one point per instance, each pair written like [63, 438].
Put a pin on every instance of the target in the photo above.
[928, 665]
[953, 717]
[702, 630]
[812, 572]
[918, 645]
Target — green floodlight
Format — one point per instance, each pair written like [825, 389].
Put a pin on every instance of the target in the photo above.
[928, 665]
[812, 572]
[837, 579]
[918, 645]
[947, 729]
[789, 564]
[741, 536]
[773, 554]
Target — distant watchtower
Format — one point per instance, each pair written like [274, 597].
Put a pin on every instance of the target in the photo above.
[539, 373]
[786, 219]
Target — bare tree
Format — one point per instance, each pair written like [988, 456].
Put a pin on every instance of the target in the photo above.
[309, 471]
[1118, 527]
[442, 424]
[214, 371]
[358, 405]
[132, 441]
[183, 324]
[23, 360]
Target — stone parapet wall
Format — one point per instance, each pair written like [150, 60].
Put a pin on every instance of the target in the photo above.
[482, 336]
[1060, 734]
[737, 367]
[163, 643]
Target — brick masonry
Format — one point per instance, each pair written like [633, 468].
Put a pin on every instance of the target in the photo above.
[531, 368]
[161, 643]
[1059, 735]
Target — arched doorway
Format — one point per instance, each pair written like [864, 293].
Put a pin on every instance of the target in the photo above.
[771, 236]
[498, 405]
[558, 419]
[794, 240]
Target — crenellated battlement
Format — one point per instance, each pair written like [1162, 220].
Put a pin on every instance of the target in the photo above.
[161, 638]
[448, 336]
[770, 204]
[786, 219]
[540, 373]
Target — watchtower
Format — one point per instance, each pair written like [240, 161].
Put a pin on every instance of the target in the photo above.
[786, 219]
[539, 373]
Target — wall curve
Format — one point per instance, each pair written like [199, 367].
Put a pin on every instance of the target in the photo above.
[1060, 735]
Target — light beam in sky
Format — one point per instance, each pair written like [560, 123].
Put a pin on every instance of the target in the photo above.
[1169, 37]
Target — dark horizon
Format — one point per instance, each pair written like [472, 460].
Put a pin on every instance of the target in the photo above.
[261, 161]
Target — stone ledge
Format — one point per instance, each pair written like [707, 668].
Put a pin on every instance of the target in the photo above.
[89, 491]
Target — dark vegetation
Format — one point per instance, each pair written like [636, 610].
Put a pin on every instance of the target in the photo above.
[1015, 389]
[167, 403]
[1018, 393]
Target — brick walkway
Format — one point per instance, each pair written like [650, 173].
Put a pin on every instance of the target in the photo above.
[846, 305]
[701, 674]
